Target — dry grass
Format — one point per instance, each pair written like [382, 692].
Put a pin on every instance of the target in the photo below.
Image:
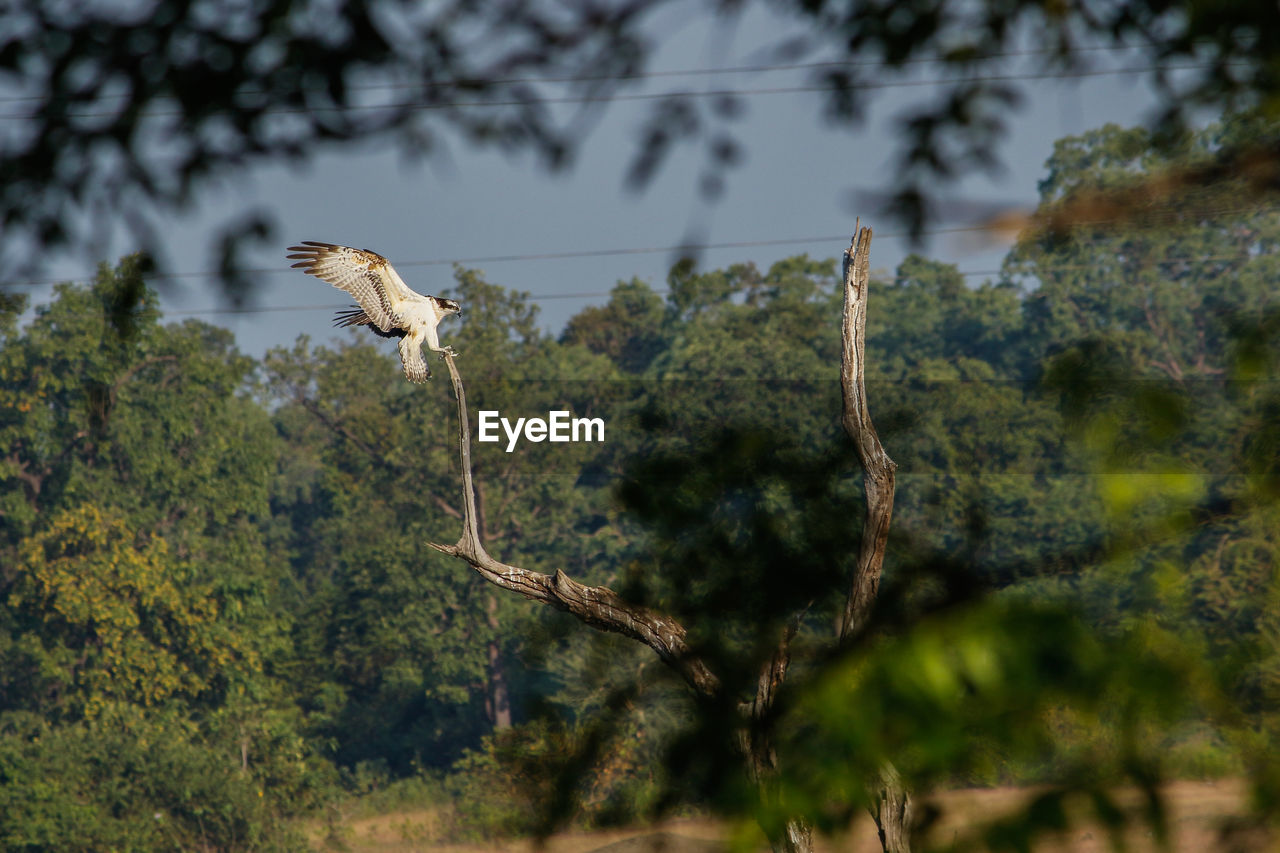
[1197, 811]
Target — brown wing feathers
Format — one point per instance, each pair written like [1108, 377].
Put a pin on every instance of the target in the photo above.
[369, 278]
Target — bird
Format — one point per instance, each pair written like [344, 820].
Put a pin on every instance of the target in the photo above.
[386, 304]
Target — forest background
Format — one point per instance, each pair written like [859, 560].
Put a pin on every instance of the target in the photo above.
[218, 611]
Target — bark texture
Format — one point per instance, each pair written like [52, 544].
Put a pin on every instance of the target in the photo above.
[893, 813]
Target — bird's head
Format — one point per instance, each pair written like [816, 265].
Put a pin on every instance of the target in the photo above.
[448, 305]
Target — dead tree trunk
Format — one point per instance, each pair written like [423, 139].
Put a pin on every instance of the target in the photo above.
[892, 812]
[877, 468]
[762, 757]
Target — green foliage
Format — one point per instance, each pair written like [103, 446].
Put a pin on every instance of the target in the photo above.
[136, 627]
[127, 780]
[1163, 293]
[627, 330]
[721, 521]
[139, 618]
[926, 324]
[1080, 442]
[740, 323]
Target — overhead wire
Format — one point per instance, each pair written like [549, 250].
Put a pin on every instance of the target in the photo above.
[533, 256]
[754, 68]
[687, 248]
[654, 96]
[598, 294]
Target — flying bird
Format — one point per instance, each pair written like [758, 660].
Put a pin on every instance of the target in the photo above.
[386, 304]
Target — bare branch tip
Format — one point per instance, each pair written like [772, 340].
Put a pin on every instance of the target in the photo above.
[861, 238]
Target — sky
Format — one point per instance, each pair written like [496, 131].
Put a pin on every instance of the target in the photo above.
[792, 193]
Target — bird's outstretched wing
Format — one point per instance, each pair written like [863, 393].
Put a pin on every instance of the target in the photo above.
[366, 275]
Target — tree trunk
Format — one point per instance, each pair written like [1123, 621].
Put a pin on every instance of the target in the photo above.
[795, 836]
[497, 699]
[877, 468]
[893, 813]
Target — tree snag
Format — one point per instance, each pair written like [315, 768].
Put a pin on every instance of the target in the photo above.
[892, 811]
[603, 609]
[877, 468]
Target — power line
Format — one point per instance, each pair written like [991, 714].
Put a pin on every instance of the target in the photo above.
[622, 251]
[597, 294]
[342, 306]
[539, 256]
[758, 68]
[655, 96]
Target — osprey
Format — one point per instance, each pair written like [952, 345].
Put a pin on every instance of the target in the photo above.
[387, 305]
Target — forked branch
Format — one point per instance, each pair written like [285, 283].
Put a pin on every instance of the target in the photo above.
[597, 606]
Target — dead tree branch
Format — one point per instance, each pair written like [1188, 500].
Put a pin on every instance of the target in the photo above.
[597, 606]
